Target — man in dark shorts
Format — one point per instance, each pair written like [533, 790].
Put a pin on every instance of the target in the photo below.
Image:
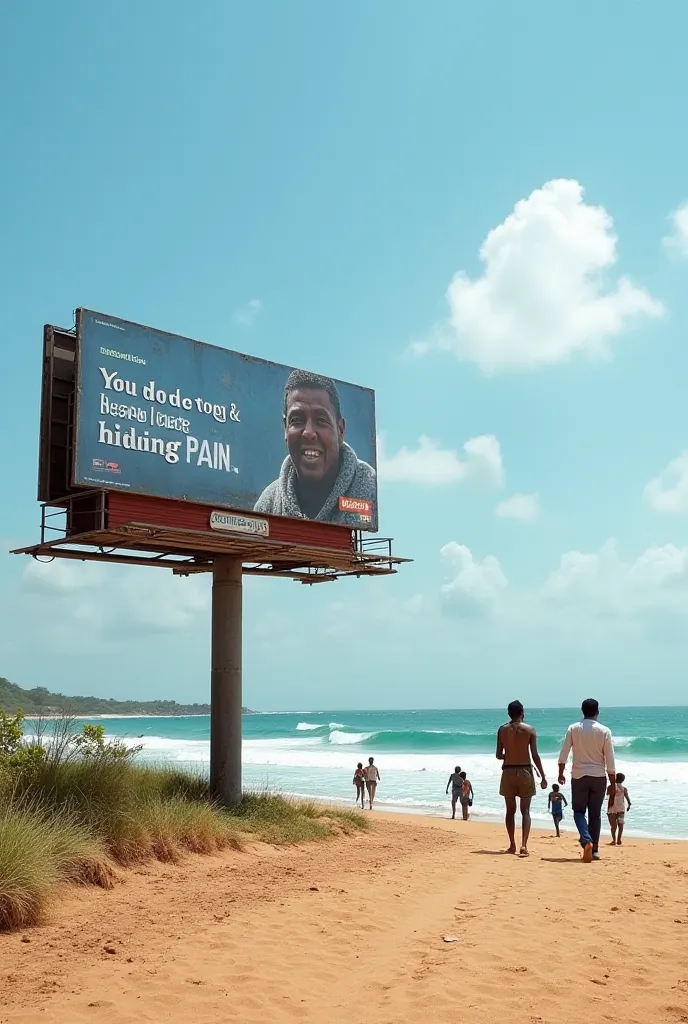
[516, 742]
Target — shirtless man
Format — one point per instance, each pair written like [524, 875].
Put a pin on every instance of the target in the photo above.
[516, 741]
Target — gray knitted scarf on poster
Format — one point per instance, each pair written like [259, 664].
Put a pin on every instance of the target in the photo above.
[356, 479]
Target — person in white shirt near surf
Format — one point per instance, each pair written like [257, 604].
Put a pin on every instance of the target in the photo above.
[372, 777]
[593, 761]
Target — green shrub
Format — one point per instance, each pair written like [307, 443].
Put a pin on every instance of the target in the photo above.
[11, 732]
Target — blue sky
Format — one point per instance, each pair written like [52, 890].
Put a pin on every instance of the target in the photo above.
[476, 210]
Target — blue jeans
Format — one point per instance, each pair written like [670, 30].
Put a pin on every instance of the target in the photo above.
[587, 797]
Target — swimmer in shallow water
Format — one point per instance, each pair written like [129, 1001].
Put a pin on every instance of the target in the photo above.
[456, 783]
[359, 782]
[466, 795]
[372, 776]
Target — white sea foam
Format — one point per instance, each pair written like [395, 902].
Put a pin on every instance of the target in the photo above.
[308, 726]
[350, 738]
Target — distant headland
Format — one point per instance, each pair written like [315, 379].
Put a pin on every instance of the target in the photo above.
[40, 701]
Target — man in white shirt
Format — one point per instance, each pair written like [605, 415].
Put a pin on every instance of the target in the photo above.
[593, 761]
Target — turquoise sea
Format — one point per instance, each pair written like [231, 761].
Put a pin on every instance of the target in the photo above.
[314, 754]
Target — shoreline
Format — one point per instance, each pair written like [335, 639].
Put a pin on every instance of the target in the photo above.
[297, 755]
[109, 717]
[568, 828]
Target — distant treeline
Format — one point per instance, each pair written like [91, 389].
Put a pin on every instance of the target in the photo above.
[41, 701]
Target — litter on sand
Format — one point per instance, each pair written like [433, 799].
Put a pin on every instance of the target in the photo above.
[450, 938]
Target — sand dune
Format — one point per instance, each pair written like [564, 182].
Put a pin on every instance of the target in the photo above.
[352, 931]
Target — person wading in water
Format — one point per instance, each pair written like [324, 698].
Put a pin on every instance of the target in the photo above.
[516, 742]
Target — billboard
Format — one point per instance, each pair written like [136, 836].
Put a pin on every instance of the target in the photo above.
[165, 416]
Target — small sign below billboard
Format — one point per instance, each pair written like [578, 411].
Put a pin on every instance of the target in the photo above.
[163, 416]
[232, 523]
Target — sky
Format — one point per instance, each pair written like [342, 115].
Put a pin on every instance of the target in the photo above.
[480, 211]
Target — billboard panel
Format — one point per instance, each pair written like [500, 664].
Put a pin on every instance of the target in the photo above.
[161, 415]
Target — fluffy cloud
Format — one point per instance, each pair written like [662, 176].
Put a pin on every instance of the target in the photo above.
[94, 604]
[246, 316]
[525, 507]
[668, 492]
[677, 240]
[432, 465]
[545, 293]
[604, 581]
[475, 587]
[585, 585]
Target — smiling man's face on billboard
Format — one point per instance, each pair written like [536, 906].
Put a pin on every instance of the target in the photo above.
[314, 431]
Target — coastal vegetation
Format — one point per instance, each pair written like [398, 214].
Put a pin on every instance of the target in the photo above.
[77, 808]
[41, 701]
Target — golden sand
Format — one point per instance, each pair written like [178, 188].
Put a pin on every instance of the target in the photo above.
[352, 932]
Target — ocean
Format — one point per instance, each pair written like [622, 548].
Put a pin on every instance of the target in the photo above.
[314, 754]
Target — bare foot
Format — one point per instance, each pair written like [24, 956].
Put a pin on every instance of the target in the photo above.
[512, 849]
[613, 842]
[524, 852]
[618, 842]
[587, 853]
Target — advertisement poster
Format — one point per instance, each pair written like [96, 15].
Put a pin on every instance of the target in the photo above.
[168, 417]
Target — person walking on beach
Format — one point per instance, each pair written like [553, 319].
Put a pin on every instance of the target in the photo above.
[556, 803]
[516, 742]
[616, 808]
[359, 783]
[456, 783]
[466, 796]
[372, 778]
[593, 760]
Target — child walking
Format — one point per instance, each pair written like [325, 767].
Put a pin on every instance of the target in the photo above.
[556, 803]
[359, 783]
[616, 809]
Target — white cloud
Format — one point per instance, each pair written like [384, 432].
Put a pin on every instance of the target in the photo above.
[246, 316]
[605, 582]
[475, 587]
[525, 507]
[61, 576]
[91, 604]
[668, 492]
[431, 465]
[545, 293]
[585, 589]
[677, 241]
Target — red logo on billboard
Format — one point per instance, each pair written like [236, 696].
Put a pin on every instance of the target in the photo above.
[113, 467]
[357, 506]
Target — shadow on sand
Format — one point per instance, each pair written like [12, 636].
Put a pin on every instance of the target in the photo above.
[493, 853]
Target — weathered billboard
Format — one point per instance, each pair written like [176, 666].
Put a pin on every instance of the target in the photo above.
[162, 415]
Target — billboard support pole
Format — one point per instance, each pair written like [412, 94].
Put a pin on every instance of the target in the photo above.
[225, 681]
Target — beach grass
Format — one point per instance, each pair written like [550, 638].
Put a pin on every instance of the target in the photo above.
[75, 813]
[280, 820]
[37, 854]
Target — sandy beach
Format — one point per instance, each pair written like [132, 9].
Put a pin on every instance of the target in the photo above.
[353, 931]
